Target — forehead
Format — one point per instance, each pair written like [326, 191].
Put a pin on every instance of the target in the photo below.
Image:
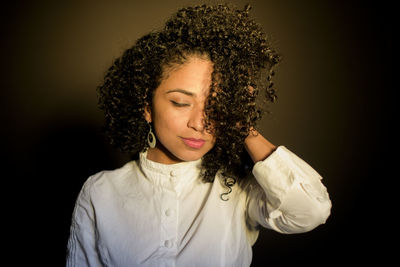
[193, 76]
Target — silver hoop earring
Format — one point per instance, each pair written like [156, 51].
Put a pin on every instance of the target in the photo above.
[151, 138]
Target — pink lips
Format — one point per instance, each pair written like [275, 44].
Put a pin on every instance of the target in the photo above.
[193, 143]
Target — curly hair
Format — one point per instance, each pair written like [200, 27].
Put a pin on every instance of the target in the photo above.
[242, 60]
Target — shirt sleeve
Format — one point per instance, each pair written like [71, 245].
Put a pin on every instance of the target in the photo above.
[288, 195]
[82, 249]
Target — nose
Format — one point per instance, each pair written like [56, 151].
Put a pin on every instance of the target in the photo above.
[196, 119]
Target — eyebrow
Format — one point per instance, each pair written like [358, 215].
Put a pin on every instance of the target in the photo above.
[181, 91]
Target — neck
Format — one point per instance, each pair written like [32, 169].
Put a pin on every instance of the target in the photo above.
[160, 154]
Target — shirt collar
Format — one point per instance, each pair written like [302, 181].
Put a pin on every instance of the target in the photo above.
[176, 175]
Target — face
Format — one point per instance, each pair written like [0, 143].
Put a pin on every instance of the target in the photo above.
[177, 113]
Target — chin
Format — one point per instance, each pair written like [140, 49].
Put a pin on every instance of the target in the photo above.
[183, 153]
[190, 157]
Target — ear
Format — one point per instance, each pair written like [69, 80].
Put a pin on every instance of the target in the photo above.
[147, 113]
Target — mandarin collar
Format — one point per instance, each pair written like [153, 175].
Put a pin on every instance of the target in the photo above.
[177, 174]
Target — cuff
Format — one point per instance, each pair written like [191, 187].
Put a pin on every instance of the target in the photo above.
[279, 172]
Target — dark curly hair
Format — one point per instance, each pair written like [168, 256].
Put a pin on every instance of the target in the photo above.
[242, 58]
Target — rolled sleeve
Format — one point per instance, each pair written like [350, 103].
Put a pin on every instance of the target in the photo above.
[293, 198]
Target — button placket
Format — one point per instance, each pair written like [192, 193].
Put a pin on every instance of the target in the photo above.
[168, 221]
[173, 178]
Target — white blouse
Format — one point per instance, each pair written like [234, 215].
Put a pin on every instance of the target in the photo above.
[152, 214]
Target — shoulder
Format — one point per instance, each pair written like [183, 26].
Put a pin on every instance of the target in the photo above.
[104, 191]
[109, 180]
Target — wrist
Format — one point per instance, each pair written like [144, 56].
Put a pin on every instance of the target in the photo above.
[257, 146]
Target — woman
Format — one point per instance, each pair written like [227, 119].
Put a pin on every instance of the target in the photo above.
[182, 100]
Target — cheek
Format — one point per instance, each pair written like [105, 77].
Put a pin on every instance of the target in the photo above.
[169, 122]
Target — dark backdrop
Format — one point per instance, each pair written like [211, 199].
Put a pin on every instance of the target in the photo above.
[334, 110]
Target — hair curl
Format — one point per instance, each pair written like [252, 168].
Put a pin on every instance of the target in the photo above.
[242, 58]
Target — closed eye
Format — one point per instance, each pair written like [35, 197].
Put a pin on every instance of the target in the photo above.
[176, 104]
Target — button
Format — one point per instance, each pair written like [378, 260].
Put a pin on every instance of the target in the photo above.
[168, 212]
[168, 244]
[172, 174]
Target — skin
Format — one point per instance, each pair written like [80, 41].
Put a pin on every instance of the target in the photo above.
[177, 113]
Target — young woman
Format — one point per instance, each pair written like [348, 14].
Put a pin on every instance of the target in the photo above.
[183, 101]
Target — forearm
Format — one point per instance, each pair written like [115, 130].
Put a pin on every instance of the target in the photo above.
[258, 147]
[294, 200]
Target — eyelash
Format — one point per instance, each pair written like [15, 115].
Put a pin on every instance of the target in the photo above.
[179, 104]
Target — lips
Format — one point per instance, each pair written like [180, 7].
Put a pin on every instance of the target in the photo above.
[193, 143]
